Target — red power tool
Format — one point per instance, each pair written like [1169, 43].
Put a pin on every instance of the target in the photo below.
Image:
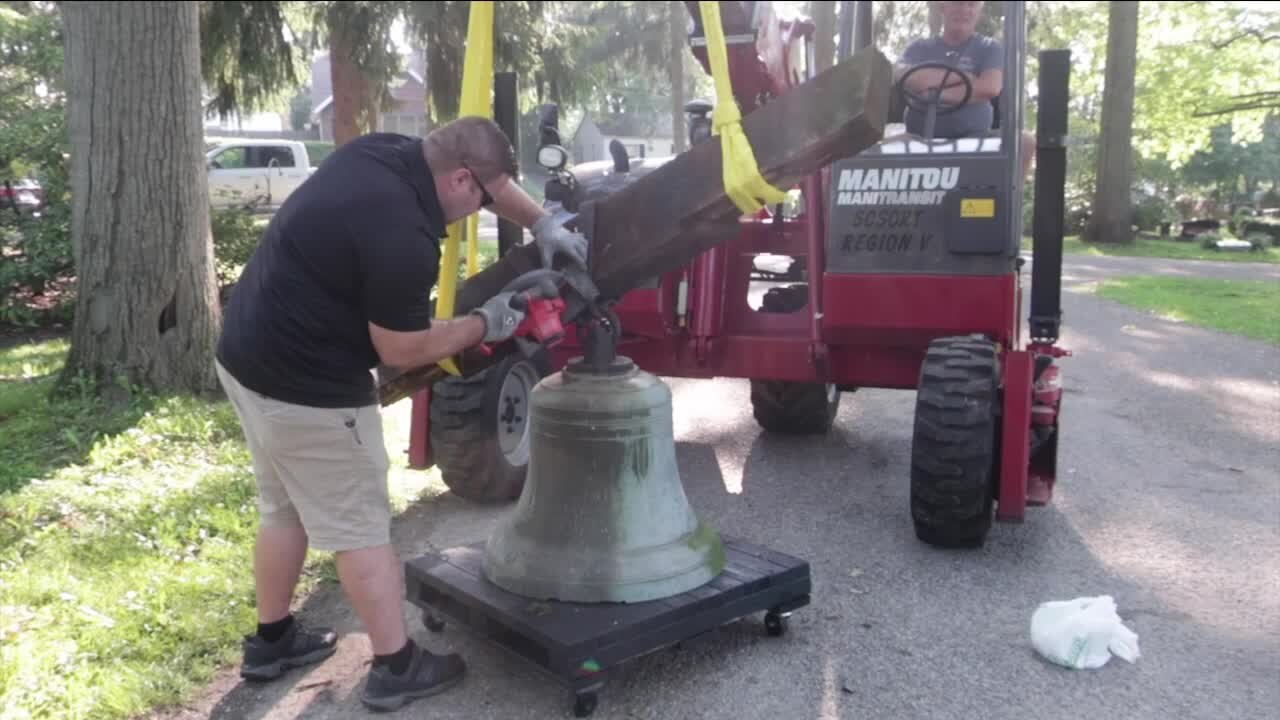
[538, 295]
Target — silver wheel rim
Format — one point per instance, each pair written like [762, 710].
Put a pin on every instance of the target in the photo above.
[513, 413]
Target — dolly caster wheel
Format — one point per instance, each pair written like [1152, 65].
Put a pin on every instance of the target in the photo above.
[433, 622]
[774, 624]
[584, 704]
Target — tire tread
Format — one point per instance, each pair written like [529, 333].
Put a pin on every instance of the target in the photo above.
[953, 445]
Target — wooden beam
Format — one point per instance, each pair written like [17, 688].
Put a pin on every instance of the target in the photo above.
[667, 218]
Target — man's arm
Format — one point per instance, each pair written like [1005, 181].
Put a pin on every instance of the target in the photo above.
[921, 80]
[445, 338]
[398, 264]
[925, 80]
[988, 80]
[985, 86]
[514, 204]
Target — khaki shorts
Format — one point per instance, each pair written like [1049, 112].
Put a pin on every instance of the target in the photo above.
[322, 469]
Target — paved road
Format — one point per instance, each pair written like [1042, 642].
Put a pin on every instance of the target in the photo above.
[1169, 500]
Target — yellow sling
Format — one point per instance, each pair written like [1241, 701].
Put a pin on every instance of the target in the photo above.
[477, 81]
[742, 179]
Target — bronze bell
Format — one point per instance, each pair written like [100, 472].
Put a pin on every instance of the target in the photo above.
[603, 516]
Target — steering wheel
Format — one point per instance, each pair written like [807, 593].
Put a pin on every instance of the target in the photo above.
[933, 97]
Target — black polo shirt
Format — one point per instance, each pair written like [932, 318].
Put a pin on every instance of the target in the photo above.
[358, 242]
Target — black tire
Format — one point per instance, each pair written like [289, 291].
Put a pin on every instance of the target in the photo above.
[792, 408]
[480, 429]
[954, 448]
[785, 299]
[584, 704]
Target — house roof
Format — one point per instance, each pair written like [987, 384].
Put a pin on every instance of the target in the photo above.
[322, 82]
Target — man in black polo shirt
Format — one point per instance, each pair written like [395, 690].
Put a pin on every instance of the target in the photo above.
[341, 281]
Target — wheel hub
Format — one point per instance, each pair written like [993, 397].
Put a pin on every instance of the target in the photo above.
[513, 413]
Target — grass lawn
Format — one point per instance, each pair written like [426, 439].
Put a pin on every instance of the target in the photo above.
[486, 254]
[1250, 308]
[318, 150]
[1151, 246]
[126, 543]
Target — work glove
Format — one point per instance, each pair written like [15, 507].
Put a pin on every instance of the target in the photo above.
[500, 319]
[552, 238]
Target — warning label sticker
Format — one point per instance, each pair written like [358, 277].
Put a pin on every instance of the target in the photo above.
[977, 207]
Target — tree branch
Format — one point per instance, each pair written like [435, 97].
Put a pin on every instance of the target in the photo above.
[1239, 108]
[1262, 39]
[1263, 94]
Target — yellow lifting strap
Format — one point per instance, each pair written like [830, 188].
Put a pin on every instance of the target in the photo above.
[742, 179]
[477, 82]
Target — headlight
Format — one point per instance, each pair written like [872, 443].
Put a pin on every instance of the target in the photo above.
[552, 157]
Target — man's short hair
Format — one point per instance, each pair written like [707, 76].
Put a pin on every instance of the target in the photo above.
[473, 142]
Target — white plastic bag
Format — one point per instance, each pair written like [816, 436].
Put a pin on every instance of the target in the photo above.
[1082, 634]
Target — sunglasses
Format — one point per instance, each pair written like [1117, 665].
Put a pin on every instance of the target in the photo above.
[485, 198]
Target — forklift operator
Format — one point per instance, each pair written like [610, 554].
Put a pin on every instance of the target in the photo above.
[341, 280]
[979, 57]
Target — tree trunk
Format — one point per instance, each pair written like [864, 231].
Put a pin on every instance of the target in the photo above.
[353, 110]
[146, 305]
[824, 40]
[1112, 204]
[675, 70]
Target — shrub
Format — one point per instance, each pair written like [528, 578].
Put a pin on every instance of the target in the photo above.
[1270, 199]
[1151, 212]
[1261, 226]
[38, 260]
[235, 237]
[1240, 215]
[1209, 240]
[318, 151]
[1259, 241]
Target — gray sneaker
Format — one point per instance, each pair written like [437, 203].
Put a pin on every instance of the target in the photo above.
[299, 646]
[428, 674]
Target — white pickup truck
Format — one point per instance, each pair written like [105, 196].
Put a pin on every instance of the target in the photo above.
[262, 172]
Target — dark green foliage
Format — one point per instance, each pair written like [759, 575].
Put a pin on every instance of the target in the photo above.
[1151, 211]
[522, 40]
[366, 26]
[442, 28]
[35, 277]
[300, 109]
[1265, 226]
[245, 58]
[318, 151]
[235, 236]
[36, 250]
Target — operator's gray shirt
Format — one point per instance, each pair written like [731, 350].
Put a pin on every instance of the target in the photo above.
[976, 55]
